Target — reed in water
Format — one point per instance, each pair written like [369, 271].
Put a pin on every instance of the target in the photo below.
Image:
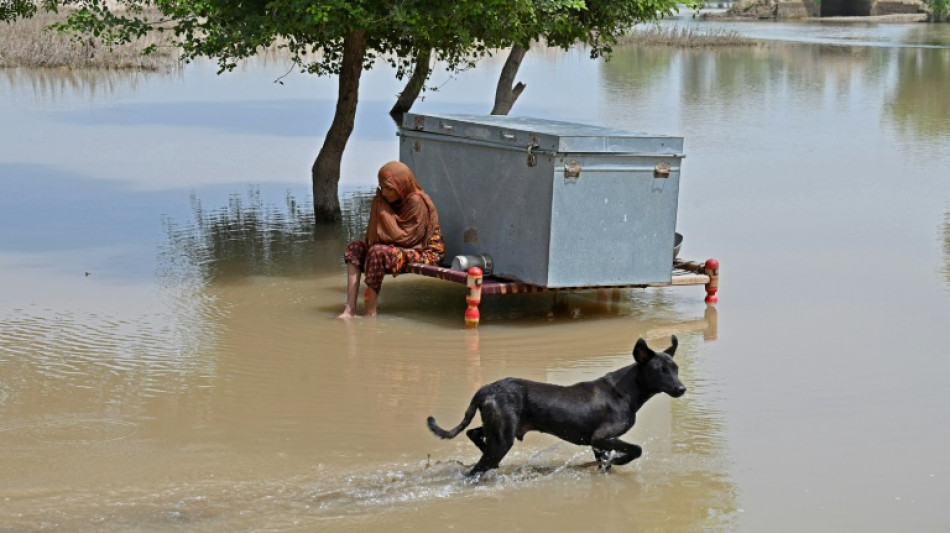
[685, 37]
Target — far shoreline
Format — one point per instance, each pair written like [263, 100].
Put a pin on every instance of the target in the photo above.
[903, 18]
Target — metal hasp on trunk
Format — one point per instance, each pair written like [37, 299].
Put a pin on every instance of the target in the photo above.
[555, 204]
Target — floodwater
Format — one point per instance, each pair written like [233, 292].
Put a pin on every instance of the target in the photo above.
[169, 361]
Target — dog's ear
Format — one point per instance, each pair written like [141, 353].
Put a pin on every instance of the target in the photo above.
[672, 349]
[641, 352]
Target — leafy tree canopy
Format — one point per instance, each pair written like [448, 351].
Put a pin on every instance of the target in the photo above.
[458, 32]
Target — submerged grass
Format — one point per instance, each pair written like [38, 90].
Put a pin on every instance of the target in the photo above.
[29, 43]
[685, 37]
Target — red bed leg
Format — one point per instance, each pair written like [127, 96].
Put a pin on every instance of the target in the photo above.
[712, 270]
[474, 297]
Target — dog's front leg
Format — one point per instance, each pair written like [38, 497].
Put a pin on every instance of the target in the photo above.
[624, 452]
[603, 457]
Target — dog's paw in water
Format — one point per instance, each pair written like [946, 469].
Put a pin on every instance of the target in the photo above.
[474, 479]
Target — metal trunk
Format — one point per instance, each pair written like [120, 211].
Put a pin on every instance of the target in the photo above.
[554, 204]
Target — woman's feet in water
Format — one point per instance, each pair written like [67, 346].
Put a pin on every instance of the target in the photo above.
[369, 307]
[348, 314]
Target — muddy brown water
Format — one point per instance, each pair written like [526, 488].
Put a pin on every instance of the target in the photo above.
[168, 360]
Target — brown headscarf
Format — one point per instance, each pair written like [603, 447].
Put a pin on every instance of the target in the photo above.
[407, 222]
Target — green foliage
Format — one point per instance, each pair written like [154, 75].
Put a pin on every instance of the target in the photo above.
[11, 10]
[941, 8]
[458, 32]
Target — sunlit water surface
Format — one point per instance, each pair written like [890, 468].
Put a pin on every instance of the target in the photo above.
[168, 361]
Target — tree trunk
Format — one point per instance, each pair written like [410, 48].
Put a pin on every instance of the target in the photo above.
[420, 73]
[326, 169]
[507, 92]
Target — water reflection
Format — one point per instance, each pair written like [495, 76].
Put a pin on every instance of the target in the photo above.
[728, 80]
[919, 105]
[900, 90]
[847, 33]
[52, 85]
[81, 322]
[114, 349]
[251, 237]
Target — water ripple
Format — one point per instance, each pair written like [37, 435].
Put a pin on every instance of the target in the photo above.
[158, 348]
[70, 431]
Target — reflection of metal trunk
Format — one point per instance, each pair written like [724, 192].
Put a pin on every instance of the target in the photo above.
[555, 204]
[464, 262]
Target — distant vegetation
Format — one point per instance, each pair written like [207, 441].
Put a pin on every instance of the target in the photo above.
[941, 9]
[685, 37]
[29, 43]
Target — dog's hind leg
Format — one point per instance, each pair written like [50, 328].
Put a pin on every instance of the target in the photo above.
[477, 435]
[496, 451]
[498, 434]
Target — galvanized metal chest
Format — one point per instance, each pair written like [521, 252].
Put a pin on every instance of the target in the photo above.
[555, 204]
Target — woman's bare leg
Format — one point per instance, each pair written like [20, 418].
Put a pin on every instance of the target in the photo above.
[369, 302]
[352, 291]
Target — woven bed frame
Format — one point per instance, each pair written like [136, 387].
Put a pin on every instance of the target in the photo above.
[684, 273]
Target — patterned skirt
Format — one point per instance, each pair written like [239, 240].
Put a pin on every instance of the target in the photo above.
[380, 259]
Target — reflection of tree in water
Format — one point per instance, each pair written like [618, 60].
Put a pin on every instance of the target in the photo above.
[249, 236]
[736, 84]
[742, 73]
[636, 67]
[55, 83]
[920, 104]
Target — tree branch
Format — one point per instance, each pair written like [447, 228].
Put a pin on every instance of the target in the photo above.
[507, 92]
[414, 86]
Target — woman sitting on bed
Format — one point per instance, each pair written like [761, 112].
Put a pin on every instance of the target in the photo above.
[403, 228]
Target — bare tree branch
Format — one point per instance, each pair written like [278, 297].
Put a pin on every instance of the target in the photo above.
[414, 86]
[507, 92]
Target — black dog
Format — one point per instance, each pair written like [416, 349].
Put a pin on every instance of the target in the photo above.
[591, 413]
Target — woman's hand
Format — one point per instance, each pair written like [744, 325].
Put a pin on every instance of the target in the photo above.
[387, 194]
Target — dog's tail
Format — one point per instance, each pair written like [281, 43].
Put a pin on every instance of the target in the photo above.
[466, 420]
